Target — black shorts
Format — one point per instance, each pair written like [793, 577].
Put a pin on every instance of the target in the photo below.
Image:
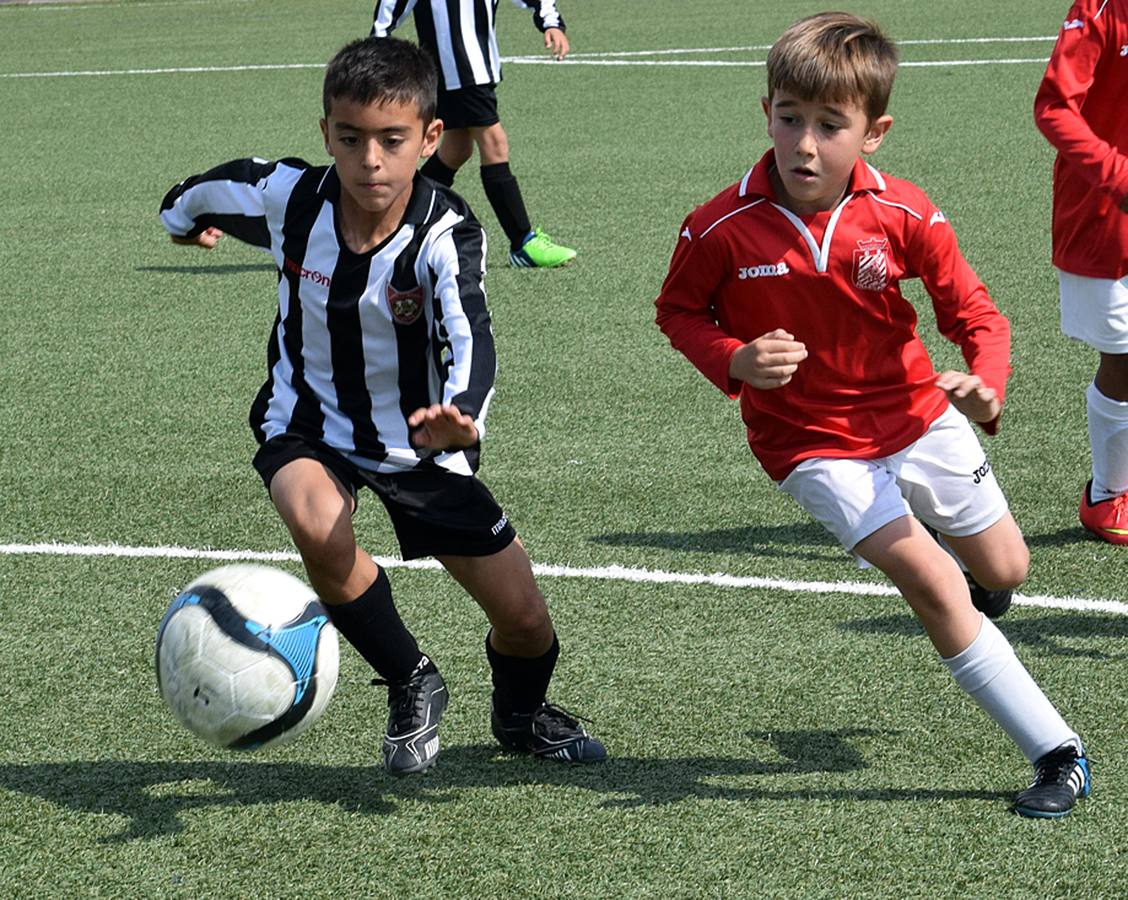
[434, 512]
[468, 107]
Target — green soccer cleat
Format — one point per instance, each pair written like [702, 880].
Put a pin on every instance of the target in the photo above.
[539, 252]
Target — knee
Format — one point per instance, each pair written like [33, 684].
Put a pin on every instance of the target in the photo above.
[493, 144]
[935, 592]
[325, 542]
[1005, 572]
[527, 624]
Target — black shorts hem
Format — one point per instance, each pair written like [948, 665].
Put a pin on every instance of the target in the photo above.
[474, 106]
[433, 511]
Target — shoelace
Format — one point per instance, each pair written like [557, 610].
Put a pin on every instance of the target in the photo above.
[405, 697]
[1056, 768]
[559, 719]
[1120, 508]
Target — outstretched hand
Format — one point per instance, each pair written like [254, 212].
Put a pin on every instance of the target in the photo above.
[970, 395]
[769, 361]
[441, 427]
[207, 239]
[556, 42]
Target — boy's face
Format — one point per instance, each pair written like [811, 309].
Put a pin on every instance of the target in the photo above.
[377, 148]
[816, 146]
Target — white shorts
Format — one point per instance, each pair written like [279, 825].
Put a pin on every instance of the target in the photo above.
[943, 479]
[1095, 310]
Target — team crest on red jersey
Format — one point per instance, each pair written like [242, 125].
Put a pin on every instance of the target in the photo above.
[405, 305]
[871, 265]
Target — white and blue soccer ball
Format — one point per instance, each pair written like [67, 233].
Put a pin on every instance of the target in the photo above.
[247, 657]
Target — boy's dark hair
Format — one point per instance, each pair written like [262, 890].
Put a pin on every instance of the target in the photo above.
[381, 70]
[834, 57]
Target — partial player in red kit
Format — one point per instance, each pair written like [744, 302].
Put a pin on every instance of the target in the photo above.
[785, 290]
[1081, 109]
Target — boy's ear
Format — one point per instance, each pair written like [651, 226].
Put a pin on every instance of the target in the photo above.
[878, 128]
[325, 134]
[431, 135]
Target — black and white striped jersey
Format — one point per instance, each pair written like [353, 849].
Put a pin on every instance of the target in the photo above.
[460, 34]
[360, 341]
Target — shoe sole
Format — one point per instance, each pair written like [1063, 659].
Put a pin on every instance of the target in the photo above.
[1119, 540]
[1027, 813]
[1030, 813]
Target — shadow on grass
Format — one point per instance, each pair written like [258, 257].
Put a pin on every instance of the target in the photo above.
[1063, 537]
[227, 269]
[800, 541]
[1047, 634]
[154, 796]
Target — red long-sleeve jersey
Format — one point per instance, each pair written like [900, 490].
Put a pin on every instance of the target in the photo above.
[1082, 110]
[745, 265]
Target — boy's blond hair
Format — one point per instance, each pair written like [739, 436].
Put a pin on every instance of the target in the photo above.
[837, 58]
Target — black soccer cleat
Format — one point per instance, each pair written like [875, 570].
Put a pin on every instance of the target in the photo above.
[550, 732]
[415, 707]
[1061, 778]
[991, 603]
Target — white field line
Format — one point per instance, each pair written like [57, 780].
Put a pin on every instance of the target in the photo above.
[753, 63]
[512, 60]
[601, 573]
[1034, 39]
[52, 6]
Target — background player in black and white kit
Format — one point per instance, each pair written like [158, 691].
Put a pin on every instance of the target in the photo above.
[461, 37]
[381, 367]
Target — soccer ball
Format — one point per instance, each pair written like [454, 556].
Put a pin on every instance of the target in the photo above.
[246, 657]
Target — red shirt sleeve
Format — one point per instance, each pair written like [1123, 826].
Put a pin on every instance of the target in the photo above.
[1062, 94]
[965, 313]
[687, 312]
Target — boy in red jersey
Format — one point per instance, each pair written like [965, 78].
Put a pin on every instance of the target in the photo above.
[783, 290]
[1080, 109]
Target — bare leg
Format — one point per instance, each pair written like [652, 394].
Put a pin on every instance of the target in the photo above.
[928, 579]
[503, 585]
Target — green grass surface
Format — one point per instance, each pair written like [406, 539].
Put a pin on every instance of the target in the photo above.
[764, 741]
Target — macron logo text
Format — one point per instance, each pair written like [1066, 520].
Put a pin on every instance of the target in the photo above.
[308, 274]
[768, 271]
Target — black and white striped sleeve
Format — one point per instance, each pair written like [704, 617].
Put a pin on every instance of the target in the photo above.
[229, 197]
[545, 13]
[456, 263]
[389, 15]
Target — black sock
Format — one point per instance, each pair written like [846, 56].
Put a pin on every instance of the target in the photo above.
[437, 170]
[504, 195]
[371, 624]
[520, 683]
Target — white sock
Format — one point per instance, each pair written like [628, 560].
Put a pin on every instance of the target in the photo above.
[990, 672]
[1108, 438]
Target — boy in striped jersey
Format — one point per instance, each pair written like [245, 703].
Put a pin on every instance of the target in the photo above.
[784, 290]
[462, 39]
[380, 372]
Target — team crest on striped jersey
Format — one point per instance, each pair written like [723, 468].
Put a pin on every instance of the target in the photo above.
[871, 265]
[405, 305]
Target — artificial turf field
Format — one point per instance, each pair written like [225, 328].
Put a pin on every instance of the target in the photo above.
[777, 721]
